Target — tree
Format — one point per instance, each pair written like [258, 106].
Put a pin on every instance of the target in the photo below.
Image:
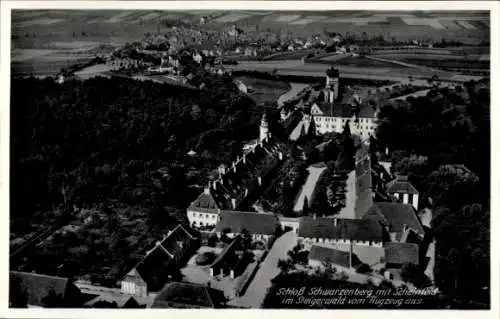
[415, 275]
[18, 296]
[285, 265]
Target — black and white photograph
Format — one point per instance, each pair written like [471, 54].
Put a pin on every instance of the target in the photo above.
[249, 158]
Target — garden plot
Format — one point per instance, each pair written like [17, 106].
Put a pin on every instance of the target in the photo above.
[287, 17]
[432, 22]
[466, 25]
[233, 17]
[309, 19]
[35, 22]
[119, 17]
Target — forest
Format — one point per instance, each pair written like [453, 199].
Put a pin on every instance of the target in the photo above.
[109, 157]
[442, 142]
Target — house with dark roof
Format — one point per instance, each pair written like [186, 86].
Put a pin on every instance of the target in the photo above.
[35, 290]
[403, 191]
[160, 263]
[233, 183]
[321, 256]
[345, 231]
[261, 226]
[399, 220]
[189, 295]
[398, 254]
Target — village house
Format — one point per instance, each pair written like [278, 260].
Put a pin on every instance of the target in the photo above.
[241, 86]
[403, 191]
[39, 291]
[189, 295]
[399, 220]
[321, 256]
[234, 183]
[155, 269]
[261, 226]
[232, 261]
[397, 255]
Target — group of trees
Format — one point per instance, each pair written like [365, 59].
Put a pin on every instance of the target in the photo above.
[442, 144]
[117, 146]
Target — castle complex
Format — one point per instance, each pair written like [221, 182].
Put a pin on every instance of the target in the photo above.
[330, 115]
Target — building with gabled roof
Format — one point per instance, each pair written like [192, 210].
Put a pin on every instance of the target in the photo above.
[189, 295]
[321, 255]
[260, 225]
[346, 231]
[402, 189]
[399, 254]
[397, 218]
[159, 263]
[37, 290]
[235, 182]
[332, 116]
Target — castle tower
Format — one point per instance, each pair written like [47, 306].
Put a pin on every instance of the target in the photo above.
[332, 84]
[264, 129]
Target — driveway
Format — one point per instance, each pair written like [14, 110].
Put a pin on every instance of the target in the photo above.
[256, 291]
[347, 212]
[308, 187]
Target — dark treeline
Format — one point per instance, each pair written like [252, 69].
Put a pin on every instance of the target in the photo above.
[442, 142]
[117, 146]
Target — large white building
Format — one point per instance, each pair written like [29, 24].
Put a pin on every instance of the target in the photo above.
[331, 116]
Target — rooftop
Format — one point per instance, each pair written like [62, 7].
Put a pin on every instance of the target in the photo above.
[401, 253]
[355, 229]
[255, 223]
[177, 294]
[331, 255]
[401, 185]
[396, 216]
[38, 286]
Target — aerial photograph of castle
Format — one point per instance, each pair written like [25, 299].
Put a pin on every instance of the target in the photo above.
[249, 159]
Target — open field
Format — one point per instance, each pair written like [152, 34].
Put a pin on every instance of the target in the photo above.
[264, 90]
[85, 31]
[358, 61]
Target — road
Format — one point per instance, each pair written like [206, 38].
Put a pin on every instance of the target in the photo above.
[256, 291]
[308, 187]
[350, 197]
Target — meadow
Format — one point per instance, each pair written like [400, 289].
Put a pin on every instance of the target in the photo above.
[264, 90]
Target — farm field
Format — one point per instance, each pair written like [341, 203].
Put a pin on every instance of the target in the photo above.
[264, 90]
[358, 61]
[441, 60]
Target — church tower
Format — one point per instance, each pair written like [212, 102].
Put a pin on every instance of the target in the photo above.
[264, 129]
[332, 85]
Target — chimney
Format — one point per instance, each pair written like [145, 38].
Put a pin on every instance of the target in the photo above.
[259, 180]
[314, 216]
[246, 192]
[206, 191]
[244, 158]
[280, 155]
[233, 202]
[386, 150]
